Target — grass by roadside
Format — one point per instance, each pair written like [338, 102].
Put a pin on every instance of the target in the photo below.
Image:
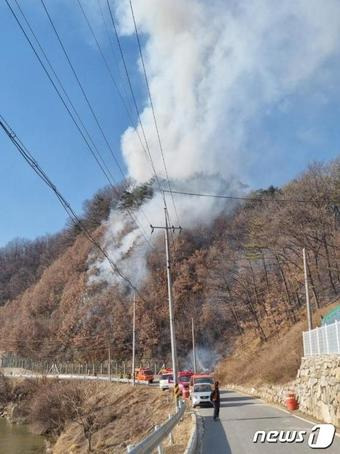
[275, 361]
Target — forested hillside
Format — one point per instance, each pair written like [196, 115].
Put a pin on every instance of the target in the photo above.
[244, 271]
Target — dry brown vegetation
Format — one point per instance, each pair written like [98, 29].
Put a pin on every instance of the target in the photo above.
[275, 361]
[241, 274]
[121, 415]
[80, 417]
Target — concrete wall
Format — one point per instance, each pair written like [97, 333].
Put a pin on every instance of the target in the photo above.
[318, 387]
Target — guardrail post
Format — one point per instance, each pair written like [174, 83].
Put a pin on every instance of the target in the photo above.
[171, 438]
[130, 448]
[160, 447]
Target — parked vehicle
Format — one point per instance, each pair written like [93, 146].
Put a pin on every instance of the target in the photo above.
[166, 381]
[200, 395]
[200, 379]
[184, 382]
[144, 374]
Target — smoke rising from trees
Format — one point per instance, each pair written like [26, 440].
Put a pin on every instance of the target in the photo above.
[214, 68]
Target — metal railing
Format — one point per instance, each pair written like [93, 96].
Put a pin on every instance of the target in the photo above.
[324, 340]
[193, 444]
[155, 439]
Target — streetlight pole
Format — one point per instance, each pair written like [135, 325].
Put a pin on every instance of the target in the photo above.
[309, 312]
[133, 340]
[193, 344]
[109, 365]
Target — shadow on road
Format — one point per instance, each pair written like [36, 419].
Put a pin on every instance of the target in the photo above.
[253, 419]
[237, 401]
[235, 404]
[214, 439]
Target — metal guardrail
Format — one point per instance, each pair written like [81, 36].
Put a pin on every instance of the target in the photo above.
[154, 440]
[324, 340]
[193, 443]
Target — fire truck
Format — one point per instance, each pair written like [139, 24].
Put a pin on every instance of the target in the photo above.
[144, 374]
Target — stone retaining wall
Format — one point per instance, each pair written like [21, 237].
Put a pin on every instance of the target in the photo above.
[318, 387]
[275, 394]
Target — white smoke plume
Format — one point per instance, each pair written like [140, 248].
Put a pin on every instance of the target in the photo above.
[214, 67]
[206, 359]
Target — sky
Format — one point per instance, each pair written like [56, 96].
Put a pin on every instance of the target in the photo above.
[258, 99]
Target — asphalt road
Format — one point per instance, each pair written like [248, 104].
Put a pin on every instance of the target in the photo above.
[241, 416]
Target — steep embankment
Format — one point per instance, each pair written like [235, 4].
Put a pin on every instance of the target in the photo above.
[276, 361]
[76, 416]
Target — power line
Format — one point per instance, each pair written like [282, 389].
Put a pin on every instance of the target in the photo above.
[124, 89]
[230, 197]
[80, 85]
[97, 158]
[106, 63]
[67, 207]
[152, 107]
[107, 66]
[63, 88]
[86, 136]
[147, 148]
[126, 107]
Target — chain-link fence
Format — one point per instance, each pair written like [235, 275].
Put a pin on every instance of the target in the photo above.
[324, 340]
[56, 366]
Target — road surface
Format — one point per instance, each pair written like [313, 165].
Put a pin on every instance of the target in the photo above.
[241, 416]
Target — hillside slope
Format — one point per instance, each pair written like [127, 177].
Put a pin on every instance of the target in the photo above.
[276, 361]
[242, 273]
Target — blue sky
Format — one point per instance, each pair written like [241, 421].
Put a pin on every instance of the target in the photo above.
[297, 129]
[32, 108]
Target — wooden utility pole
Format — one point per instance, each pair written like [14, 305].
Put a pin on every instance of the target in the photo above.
[309, 312]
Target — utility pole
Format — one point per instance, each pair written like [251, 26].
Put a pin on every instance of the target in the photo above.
[309, 312]
[193, 344]
[133, 340]
[109, 368]
[166, 229]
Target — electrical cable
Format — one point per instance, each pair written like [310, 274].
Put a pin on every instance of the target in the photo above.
[31, 161]
[80, 85]
[152, 107]
[115, 84]
[94, 151]
[147, 148]
[252, 199]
